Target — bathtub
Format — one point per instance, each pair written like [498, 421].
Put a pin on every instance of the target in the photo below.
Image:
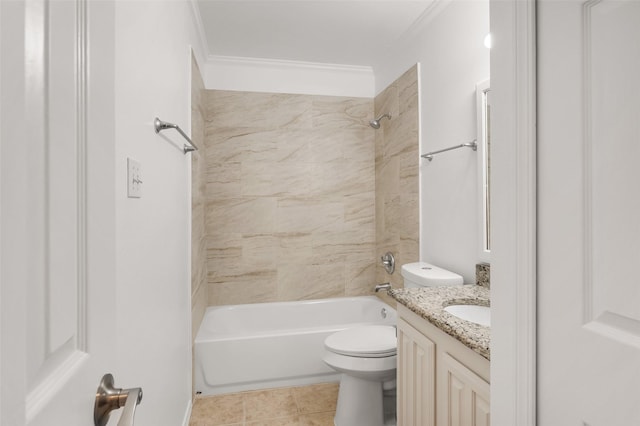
[265, 345]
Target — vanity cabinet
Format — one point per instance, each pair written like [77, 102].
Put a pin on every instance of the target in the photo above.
[441, 382]
[466, 395]
[416, 377]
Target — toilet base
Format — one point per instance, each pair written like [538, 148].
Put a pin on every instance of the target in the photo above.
[360, 402]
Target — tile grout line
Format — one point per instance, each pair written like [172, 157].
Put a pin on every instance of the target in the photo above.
[244, 410]
[296, 400]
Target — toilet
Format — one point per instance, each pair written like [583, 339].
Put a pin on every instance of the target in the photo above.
[367, 358]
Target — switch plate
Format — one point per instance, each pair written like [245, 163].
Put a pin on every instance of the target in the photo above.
[134, 179]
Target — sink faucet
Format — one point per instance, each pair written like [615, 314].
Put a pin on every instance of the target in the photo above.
[385, 287]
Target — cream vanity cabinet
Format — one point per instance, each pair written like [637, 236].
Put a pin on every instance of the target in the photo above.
[441, 382]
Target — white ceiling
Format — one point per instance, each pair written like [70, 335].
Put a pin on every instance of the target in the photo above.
[347, 32]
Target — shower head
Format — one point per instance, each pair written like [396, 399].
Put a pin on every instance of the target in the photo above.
[376, 123]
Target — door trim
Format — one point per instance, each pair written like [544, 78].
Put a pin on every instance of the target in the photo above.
[513, 203]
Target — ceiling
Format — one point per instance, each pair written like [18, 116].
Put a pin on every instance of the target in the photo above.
[346, 32]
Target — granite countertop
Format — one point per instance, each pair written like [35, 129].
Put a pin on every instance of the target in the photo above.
[429, 303]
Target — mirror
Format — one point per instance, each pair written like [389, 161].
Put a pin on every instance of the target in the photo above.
[483, 113]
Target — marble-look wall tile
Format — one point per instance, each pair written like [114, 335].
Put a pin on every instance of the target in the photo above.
[259, 110]
[258, 288]
[407, 86]
[238, 144]
[408, 169]
[224, 252]
[341, 179]
[359, 211]
[310, 215]
[293, 179]
[199, 305]
[294, 247]
[223, 180]
[360, 274]
[301, 196]
[396, 162]
[290, 196]
[243, 215]
[339, 113]
[308, 281]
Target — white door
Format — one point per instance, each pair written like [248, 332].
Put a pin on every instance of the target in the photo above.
[589, 212]
[57, 223]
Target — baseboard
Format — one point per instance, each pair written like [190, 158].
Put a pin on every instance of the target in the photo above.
[187, 414]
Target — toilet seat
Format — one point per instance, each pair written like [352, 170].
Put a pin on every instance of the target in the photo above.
[372, 341]
[366, 357]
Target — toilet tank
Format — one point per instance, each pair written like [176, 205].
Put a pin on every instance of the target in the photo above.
[421, 274]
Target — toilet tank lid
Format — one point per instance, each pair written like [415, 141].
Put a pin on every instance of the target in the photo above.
[430, 274]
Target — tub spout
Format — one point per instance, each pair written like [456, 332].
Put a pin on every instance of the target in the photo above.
[385, 287]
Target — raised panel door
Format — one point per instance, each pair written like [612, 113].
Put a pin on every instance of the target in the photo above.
[466, 395]
[588, 208]
[416, 377]
[58, 209]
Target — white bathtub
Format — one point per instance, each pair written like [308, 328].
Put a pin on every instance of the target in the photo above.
[264, 345]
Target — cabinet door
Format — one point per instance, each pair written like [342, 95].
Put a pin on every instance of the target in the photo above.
[466, 395]
[416, 377]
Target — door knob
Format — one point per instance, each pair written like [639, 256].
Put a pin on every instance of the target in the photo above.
[109, 398]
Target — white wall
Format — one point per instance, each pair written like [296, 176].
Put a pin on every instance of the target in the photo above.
[453, 59]
[277, 76]
[152, 78]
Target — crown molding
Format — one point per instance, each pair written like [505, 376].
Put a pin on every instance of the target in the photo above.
[202, 35]
[421, 22]
[284, 63]
[285, 76]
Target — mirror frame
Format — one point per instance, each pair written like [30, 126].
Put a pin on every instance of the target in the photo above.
[484, 187]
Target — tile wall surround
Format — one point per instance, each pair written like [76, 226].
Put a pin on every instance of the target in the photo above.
[397, 188]
[483, 275]
[198, 187]
[290, 196]
[302, 196]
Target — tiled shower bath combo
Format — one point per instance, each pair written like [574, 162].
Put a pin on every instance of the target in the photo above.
[295, 198]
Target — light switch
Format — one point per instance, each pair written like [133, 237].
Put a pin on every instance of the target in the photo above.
[134, 179]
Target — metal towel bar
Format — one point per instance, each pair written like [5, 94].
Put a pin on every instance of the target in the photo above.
[160, 125]
[473, 145]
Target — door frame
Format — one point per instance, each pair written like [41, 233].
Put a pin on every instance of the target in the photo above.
[513, 204]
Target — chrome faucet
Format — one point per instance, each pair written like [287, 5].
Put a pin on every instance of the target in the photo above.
[385, 287]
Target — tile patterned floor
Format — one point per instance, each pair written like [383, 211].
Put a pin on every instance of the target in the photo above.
[313, 405]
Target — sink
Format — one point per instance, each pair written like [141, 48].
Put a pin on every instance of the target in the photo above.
[473, 313]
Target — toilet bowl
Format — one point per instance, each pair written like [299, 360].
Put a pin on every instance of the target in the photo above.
[366, 357]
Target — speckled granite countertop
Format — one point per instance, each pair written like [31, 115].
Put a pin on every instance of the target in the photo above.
[429, 303]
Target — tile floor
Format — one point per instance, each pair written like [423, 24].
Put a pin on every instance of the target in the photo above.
[313, 405]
